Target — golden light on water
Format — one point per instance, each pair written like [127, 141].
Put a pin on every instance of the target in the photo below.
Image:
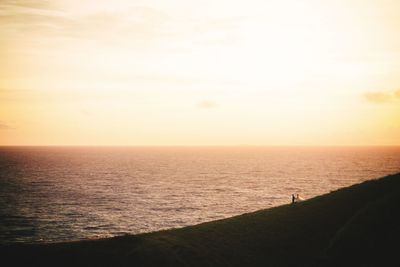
[199, 73]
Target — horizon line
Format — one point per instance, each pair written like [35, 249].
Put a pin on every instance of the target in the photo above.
[188, 146]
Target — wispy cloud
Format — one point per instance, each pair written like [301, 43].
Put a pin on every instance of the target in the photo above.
[31, 4]
[4, 126]
[207, 104]
[43, 19]
[130, 26]
[382, 97]
[86, 112]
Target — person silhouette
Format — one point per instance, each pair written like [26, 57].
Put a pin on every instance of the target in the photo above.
[293, 198]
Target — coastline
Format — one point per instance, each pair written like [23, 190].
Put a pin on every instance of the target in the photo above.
[356, 224]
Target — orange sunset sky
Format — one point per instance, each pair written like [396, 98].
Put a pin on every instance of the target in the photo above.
[214, 72]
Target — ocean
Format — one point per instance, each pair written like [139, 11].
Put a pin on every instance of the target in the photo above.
[53, 194]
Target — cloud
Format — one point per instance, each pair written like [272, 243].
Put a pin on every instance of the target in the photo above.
[86, 112]
[41, 18]
[135, 24]
[4, 126]
[130, 26]
[207, 104]
[34, 17]
[378, 97]
[30, 4]
[382, 97]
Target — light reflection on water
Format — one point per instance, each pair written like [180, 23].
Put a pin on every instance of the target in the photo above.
[57, 194]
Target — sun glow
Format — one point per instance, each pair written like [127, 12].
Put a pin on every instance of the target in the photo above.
[211, 73]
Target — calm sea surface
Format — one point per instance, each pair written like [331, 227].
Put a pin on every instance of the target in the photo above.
[58, 194]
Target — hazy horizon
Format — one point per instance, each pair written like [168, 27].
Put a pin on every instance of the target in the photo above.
[204, 146]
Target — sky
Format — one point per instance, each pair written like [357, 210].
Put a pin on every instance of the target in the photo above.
[214, 72]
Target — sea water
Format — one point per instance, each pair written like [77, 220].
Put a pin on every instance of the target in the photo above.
[52, 194]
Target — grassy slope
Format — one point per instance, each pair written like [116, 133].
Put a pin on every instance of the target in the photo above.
[333, 229]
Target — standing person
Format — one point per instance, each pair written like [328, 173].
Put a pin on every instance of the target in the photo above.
[293, 198]
[299, 198]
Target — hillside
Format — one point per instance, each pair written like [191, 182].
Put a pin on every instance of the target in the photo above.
[357, 226]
